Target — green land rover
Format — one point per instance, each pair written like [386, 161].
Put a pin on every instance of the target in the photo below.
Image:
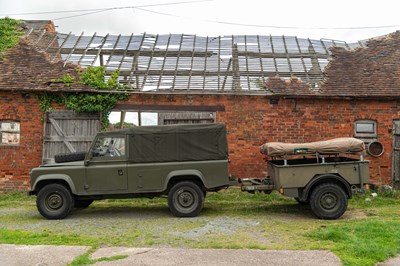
[180, 161]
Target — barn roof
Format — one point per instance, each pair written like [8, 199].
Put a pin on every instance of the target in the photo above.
[183, 63]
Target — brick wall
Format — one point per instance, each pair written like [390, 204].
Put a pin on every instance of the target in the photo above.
[17, 161]
[251, 121]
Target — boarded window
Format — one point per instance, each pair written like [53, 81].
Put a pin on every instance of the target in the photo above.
[9, 132]
[365, 129]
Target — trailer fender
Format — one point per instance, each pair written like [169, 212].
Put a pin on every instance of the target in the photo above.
[319, 179]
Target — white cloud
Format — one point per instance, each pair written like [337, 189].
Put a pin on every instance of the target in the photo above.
[192, 18]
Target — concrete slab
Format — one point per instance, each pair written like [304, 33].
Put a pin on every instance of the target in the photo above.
[391, 262]
[220, 257]
[16, 255]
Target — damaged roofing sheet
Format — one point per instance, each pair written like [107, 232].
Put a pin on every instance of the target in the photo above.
[179, 62]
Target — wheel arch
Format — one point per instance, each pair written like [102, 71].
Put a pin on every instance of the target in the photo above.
[44, 180]
[185, 175]
[325, 178]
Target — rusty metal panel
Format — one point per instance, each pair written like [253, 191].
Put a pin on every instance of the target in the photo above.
[186, 118]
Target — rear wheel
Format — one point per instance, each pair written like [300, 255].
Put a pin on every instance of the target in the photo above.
[54, 201]
[185, 199]
[328, 201]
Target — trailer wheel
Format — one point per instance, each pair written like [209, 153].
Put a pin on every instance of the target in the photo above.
[328, 201]
[185, 199]
[54, 201]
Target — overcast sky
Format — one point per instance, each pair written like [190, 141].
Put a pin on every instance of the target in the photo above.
[316, 19]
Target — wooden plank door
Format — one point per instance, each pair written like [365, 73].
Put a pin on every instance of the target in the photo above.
[67, 131]
[396, 153]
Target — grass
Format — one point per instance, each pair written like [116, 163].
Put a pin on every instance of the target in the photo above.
[368, 233]
[85, 259]
[361, 242]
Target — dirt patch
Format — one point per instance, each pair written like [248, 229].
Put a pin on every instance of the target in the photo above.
[354, 214]
[220, 225]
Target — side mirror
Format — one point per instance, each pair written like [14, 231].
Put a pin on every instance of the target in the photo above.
[86, 163]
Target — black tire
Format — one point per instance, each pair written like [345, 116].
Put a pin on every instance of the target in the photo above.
[301, 202]
[328, 201]
[54, 201]
[82, 203]
[185, 199]
[69, 157]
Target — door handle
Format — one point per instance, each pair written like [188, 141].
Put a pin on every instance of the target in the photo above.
[120, 172]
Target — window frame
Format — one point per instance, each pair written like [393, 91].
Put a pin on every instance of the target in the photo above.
[10, 131]
[365, 134]
[108, 158]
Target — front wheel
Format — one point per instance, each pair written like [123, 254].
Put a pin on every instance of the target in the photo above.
[185, 199]
[328, 201]
[54, 201]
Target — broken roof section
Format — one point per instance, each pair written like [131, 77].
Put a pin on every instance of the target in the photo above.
[179, 62]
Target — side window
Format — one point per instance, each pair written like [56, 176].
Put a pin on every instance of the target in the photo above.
[9, 133]
[365, 129]
[109, 147]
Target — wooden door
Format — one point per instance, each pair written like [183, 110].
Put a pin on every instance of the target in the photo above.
[67, 131]
[396, 153]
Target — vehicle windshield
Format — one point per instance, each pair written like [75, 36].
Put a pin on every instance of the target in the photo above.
[109, 147]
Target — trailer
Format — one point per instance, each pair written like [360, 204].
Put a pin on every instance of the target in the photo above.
[323, 174]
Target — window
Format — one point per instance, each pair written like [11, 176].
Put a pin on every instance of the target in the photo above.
[9, 133]
[132, 118]
[365, 129]
[109, 147]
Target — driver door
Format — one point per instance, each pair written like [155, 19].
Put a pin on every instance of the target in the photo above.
[106, 169]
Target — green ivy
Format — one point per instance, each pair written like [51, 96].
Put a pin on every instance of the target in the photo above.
[66, 79]
[9, 33]
[88, 102]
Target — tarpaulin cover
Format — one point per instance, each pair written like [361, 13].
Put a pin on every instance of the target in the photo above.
[338, 145]
[194, 142]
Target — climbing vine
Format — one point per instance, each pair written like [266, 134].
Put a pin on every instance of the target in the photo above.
[88, 102]
[9, 33]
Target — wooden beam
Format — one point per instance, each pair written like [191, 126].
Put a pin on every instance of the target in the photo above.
[87, 48]
[163, 64]
[148, 66]
[72, 50]
[155, 107]
[177, 61]
[112, 51]
[58, 51]
[98, 54]
[155, 53]
[191, 62]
